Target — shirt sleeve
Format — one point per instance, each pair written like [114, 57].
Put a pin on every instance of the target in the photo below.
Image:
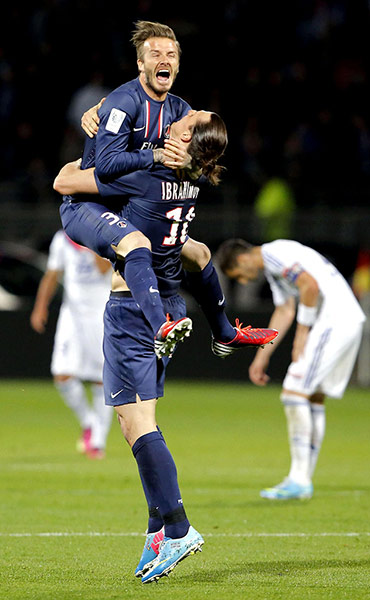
[279, 295]
[116, 123]
[126, 185]
[55, 260]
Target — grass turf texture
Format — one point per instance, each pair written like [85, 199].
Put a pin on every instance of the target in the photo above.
[229, 441]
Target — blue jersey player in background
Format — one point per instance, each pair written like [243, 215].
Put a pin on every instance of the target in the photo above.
[162, 204]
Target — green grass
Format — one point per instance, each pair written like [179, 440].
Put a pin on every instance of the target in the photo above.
[228, 441]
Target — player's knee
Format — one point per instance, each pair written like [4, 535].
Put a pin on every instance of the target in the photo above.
[195, 255]
[289, 398]
[130, 242]
[317, 398]
[61, 378]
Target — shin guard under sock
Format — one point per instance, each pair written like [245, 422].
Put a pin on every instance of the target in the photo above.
[143, 284]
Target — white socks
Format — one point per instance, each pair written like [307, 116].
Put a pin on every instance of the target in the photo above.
[306, 430]
[298, 414]
[97, 417]
[318, 433]
[74, 395]
[103, 417]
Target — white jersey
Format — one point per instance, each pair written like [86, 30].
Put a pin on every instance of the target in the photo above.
[284, 260]
[85, 287]
[79, 335]
[334, 340]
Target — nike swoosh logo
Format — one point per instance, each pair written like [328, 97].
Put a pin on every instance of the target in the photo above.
[139, 128]
[220, 302]
[116, 394]
[152, 290]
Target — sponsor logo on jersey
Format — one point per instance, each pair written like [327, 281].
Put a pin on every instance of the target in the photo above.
[149, 146]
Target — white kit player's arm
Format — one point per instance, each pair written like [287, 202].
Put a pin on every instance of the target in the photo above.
[45, 293]
[281, 319]
[306, 314]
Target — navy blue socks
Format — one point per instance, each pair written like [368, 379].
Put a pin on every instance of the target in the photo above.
[143, 284]
[205, 287]
[159, 478]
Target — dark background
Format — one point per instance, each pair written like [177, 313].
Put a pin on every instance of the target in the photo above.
[290, 79]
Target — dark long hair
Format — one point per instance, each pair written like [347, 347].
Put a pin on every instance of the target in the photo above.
[208, 143]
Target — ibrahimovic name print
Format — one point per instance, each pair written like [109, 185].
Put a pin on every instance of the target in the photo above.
[179, 191]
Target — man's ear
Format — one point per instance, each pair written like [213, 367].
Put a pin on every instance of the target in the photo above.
[140, 65]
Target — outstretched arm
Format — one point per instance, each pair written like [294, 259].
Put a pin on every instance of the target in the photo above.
[72, 180]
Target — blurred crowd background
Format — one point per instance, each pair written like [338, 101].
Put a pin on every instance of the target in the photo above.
[290, 79]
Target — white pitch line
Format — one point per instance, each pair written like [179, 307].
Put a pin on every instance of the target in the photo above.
[215, 535]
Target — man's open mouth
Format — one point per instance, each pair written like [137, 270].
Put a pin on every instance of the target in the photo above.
[163, 75]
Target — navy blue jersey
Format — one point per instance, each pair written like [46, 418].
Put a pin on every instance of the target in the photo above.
[131, 125]
[161, 206]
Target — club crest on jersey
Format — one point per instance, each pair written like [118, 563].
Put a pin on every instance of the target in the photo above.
[166, 132]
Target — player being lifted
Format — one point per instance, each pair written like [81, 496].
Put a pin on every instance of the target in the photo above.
[134, 122]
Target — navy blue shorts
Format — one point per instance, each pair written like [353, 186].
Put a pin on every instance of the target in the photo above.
[94, 226]
[131, 366]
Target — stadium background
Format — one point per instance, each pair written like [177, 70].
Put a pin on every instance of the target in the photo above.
[292, 84]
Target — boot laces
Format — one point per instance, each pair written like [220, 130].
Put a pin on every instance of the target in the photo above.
[239, 326]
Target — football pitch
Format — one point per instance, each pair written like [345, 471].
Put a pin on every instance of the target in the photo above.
[73, 528]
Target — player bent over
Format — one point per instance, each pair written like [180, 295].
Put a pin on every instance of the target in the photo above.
[323, 354]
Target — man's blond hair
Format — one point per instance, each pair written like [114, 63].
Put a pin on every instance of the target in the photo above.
[147, 29]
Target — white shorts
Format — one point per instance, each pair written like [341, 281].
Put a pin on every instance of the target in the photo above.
[328, 360]
[78, 346]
